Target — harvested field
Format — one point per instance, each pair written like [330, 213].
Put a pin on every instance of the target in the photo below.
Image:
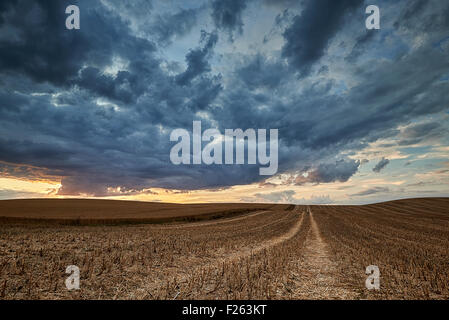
[408, 240]
[94, 212]
[251, 252]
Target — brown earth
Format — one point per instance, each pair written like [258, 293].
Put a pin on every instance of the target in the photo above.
[82, 211]
[251, 252]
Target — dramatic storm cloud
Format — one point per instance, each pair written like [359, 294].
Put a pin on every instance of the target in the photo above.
[370, 191]
[381, 165]
[95, 107]
[227, 15]
[309, 35]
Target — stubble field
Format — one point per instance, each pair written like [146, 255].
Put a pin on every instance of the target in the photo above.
[128, 250]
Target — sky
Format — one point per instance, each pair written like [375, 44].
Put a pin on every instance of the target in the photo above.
[362, 115]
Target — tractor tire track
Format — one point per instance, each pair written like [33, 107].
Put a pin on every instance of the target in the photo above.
[318, 275]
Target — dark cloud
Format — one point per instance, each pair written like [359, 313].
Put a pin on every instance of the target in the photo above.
[262, 73]
[308, 36]
[163, 27]
[381, 165]
[417, 184]
[94, 147]
[197, 60]
[96, 106]
[330, 172]
[282, 3]
[418, 132]
[340, 171]
[281, 21]
[119, 87]
[33, 51]
[169, 26]
[47, 51]
[361, 44]
[370, 191]
[227, 15]
[424, 16]
[137, 9]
